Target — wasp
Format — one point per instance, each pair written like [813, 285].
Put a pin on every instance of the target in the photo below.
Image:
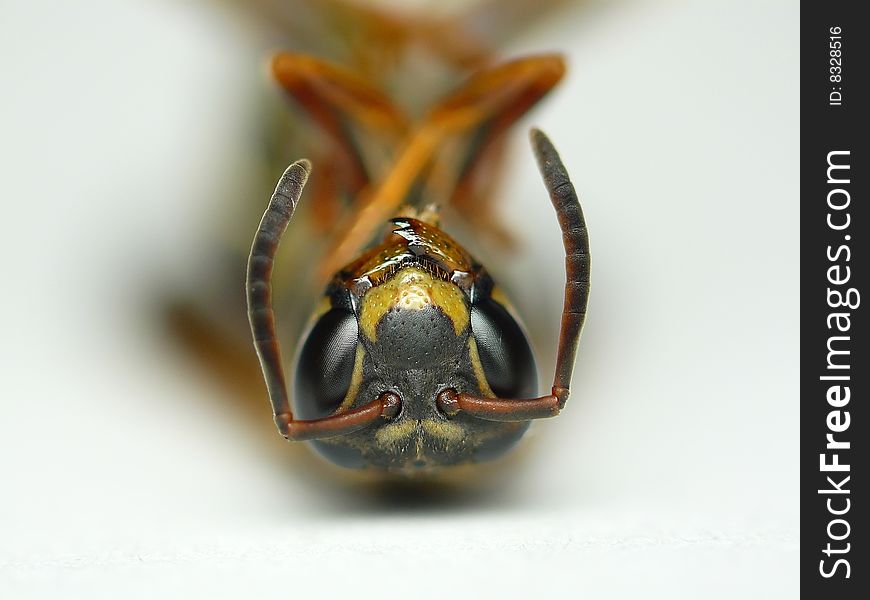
[413, 358]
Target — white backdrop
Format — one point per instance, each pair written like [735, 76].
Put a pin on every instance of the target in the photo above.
[672, 473]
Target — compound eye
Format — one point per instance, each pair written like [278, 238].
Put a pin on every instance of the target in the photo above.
[326, 365]
[505, 354]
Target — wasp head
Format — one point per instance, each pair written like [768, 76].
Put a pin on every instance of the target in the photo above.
[407, 321]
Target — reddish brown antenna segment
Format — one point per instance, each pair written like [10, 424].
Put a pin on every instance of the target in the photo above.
[281, 207]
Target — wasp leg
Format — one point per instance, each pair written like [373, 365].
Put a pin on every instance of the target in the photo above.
[501, 93]
[379, 204]
[262, 318]
[315, 83]
[576, 241]
[498, 96]
[336, 97]
[326, 191]
[516, 87]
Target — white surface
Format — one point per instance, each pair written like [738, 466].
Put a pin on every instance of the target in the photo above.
[672, 473]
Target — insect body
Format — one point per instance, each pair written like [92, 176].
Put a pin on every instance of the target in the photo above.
[414, 359]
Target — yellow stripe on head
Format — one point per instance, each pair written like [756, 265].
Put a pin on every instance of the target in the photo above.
[412, 288]
[355, 379]
[474, 357]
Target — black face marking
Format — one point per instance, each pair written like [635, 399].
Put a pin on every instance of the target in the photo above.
[325, 366]
[505, 355]
[416, 339]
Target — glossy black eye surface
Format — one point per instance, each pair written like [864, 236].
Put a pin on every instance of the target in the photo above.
[326, 365]
[507, 359]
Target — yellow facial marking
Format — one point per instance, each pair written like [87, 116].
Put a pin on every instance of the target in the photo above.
[394, 433]
[397, 433]
[474, 357]
[413, 289]
[355, 379]
[451, 433]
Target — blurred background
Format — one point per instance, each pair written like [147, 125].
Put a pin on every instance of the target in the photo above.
[132, 139]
